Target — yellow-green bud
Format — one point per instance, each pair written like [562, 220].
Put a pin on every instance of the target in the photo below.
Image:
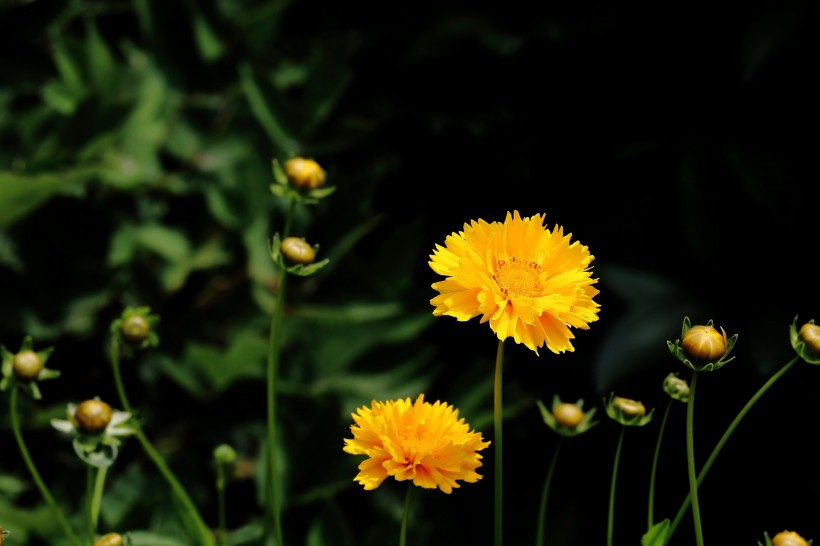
[224, 455]
[704, 343]
[92, 416]
[111, 539]
[27, 365]
[304, 173]
[568, 415]
[297, 250]
[676, 387]
[135, 329]
[628, 406]
[810, 335]
[788, 538]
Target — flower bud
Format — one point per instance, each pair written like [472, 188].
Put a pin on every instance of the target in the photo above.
[297, 250]
[111, 539]
[628, 406]
[568, 415]
[135, 329]
[788, 538]
[304, 173]
[27, 365]
[703, 343]
[92, 416]
[810, 335]
[676, 387]
[224, 455]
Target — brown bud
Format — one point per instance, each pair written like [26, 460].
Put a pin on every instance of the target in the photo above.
[297, 250]
[92, 416]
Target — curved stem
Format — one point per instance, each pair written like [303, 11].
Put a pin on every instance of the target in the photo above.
[725, 438]
[650, 519]
[611, 518]
[44, 491]
[499, 360]
[182, 496]
[542, 512]
[690, 459]
[220, 490]
[405, 515]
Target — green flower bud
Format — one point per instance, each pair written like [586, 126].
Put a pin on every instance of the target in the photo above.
[304, 173]
[92, 416]
[111, 539]
[676, 387]
[627, 411]
[224, 455]
[788, 538]
[297, 250]
[806, 341]
[135, 329]
[27, 365]
[628, 406]
[567, 419]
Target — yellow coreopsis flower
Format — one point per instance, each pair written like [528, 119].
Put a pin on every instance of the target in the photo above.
[529, 283]
[419, 441]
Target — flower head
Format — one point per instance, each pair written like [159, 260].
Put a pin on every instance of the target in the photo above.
[566, 418]
[702, 347]
[627, 411]
[676, 387]
[418, 441]
[136, 328]
[806, 341]
[529, 283]
[26, 368]
[95, 428]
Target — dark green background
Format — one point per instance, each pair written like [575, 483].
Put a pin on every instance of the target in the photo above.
[676, 140]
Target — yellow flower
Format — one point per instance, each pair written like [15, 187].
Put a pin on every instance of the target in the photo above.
[423, 442]
[528, 282]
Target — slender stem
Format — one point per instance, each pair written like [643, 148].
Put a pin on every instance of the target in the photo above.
[499, 360]
[220, 490]
[58, 513]
[405, 515]
[89, 492]
[542, 512]
[650, 519]
[179, 491]
[96, 497]
[272, 373]
[725, 438]
[611, 518]
[690, 459]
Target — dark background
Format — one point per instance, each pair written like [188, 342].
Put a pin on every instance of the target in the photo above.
[677, 141]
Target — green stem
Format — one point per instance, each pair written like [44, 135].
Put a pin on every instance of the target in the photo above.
[220, 490]
[725, 438]
[95, 501]
[272, 373]
[542, 512]
[499, 360]
[650, 514]
[405, 515]
[690, 459]
[58, 513]
[611, 518]
[182, 496]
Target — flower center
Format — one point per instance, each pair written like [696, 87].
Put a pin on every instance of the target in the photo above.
[518, 278]
[416, 442]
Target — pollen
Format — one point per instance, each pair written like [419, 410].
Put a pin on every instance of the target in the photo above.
[516, 278]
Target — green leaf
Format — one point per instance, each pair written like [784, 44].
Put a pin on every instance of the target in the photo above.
[20, 194]
[208, 43]
[264, 114]
[656, 535]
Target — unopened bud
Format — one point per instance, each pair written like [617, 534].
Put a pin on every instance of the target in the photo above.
[111, 539]
[297, 250]
[628, 406]
[304, 173]
[703, 343]
[568, 415]
[27, 365]
[788, 538]
[92, 416]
